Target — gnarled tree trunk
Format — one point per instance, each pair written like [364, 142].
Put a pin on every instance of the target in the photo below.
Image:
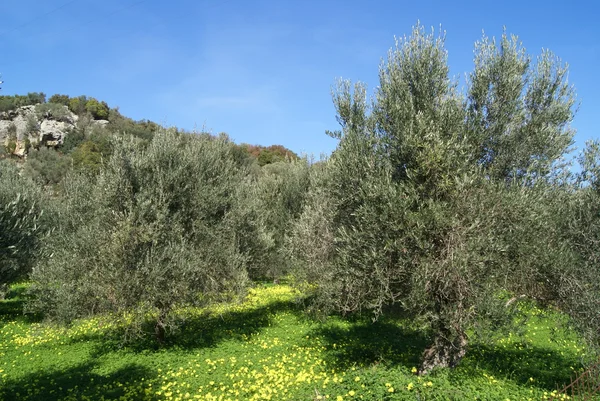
[160, 328]
[446, 351]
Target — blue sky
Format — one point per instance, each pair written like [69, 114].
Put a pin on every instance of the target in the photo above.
[262, 70]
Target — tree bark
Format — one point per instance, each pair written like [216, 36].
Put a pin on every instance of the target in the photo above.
[446, 351]
[159, 332]
[160, 328]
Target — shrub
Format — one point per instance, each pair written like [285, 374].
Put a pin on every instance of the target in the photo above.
[60, 99]
[33, 99]
[52, 111]
[32, 126]
[143, 129]
[46, 166]
[269, 154]
[8, 103]
[27, 144]
[73, 138]
[98, 110]
[11, 139]
[87, 155]
[77, 104]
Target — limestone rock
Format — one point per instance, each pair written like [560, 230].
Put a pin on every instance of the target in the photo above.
[50, 130]
[52, 133]
[100, 123]
[20, 149]
[18, 118]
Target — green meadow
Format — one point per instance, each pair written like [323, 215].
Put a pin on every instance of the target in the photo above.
[266, 348]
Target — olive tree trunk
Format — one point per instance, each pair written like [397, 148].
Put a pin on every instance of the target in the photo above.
[446, 351]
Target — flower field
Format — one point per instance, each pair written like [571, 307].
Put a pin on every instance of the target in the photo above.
[267, 349]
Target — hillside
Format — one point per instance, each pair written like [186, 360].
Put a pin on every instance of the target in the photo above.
[78, 130]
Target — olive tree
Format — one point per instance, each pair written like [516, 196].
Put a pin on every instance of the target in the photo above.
[150, 232]
[419, 204]
[22, 223]
[269, 202]
[581, 226]
[519, 110]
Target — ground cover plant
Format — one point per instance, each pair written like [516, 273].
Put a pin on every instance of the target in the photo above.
[267, 349]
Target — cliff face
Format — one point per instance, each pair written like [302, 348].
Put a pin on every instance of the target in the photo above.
[43, 124]
[34, 125]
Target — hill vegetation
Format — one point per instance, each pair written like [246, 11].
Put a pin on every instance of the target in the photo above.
[449, 216]
[90, 126]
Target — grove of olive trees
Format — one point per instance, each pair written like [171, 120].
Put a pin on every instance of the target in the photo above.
[445, 207]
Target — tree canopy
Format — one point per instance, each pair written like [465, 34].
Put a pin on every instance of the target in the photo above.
[423, 198]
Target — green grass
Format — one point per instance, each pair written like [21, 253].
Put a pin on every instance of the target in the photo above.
[266, 348]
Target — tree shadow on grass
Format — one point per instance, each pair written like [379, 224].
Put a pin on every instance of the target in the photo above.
[211, 329]
[11, 307]
[390, 344]
[549, 369]
[78, 382]
[366, 344]
[205, 330]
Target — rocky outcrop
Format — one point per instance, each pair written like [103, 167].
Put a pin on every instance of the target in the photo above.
[16, 121]
[20, 148]
[35, 125]
[44, 124]
[52, 133]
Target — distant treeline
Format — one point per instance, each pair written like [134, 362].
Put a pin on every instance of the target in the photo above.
[78, 105]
